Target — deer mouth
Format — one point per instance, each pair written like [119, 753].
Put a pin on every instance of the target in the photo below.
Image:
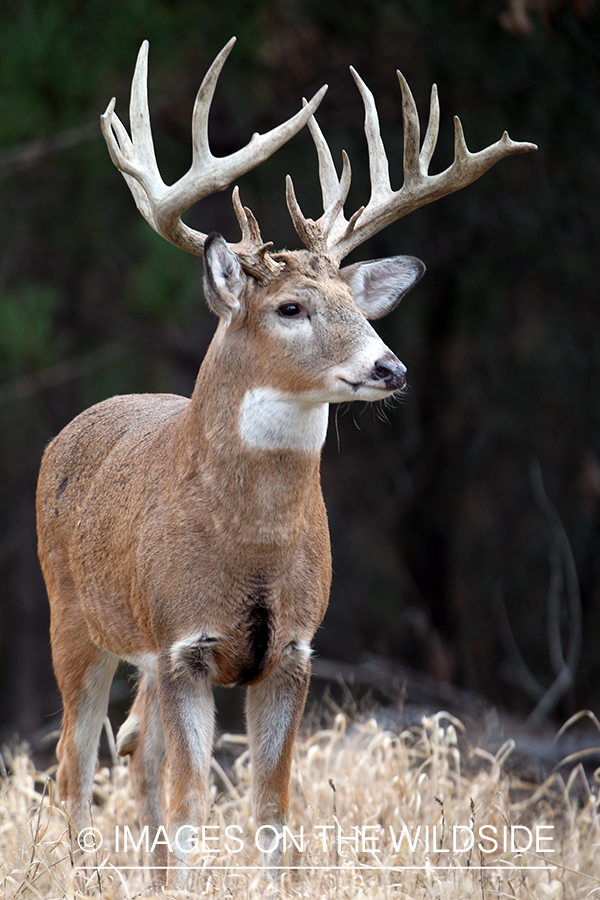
[355, 385]
[379, 386]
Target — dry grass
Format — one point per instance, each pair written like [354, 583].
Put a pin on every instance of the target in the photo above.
[348, 777]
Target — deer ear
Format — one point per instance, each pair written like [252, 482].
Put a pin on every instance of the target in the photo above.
[224, 279]
[379, 284]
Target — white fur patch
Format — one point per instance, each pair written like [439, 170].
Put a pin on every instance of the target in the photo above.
[273, 420]
[195, 647]
[128, 736]
[147, 662]
[198, 716]
[296, 652]
[275, 709]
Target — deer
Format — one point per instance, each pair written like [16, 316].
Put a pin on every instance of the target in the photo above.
[189, 536]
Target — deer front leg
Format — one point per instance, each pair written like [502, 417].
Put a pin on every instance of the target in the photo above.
[273, 709]
[187, 710]
[142, 738]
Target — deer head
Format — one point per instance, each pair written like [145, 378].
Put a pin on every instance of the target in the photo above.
[292, 303]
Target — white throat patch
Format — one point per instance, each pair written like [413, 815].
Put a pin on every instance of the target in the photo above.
[274, 420]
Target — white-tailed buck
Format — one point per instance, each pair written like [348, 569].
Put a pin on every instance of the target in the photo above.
[189, 536]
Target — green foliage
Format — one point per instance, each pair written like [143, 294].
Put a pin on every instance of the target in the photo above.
[27, 339]
[164, 285]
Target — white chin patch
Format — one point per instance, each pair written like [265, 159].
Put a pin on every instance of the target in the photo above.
[273, 420]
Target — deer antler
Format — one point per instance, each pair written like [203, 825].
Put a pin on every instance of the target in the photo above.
[162, 205]
[334, 236]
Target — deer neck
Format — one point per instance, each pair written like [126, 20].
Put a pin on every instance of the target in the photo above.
[253, 453]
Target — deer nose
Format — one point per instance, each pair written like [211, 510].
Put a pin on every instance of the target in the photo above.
[391, 371]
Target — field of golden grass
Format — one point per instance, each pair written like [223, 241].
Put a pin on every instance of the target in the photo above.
[354, 787]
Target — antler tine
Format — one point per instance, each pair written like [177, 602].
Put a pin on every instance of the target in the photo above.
[202, 104]
[246, 220]
[306, 229]
[118, 142]
[431, 135]
[251, 250]
[412, 133]
[162, 206]
[328, 179]
[122, 154]
[378, 162]
[461, 151]
[334, 213]
[139, 120]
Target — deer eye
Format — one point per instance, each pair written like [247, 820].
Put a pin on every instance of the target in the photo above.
[292, 310]
[289, 309]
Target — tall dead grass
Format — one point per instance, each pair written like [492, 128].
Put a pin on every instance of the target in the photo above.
[353, 789]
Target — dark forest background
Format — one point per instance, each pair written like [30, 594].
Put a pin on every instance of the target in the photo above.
[442, 533]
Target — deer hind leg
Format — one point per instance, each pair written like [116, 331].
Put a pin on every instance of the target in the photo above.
[188, 711]
[142, 738]
[273, 710]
